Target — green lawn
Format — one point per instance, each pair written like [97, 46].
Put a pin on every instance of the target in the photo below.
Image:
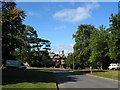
[112, 74]
[30, 78]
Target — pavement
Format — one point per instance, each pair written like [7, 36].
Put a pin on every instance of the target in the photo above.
[66, 79]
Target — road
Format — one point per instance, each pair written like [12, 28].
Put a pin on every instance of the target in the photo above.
[66, 79]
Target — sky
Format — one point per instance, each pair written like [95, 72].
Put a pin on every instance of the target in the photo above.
[58, 21]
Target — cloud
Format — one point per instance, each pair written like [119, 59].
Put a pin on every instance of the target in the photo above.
[68, 48]
[60, 28]
[31, 13]
[75, 15]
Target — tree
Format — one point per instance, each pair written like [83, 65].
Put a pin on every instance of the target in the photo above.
[99, 47]
[20, 41]
[70, 59]
[11, 27]
[82, 42]
[24, 53]
[114, 42]
[32, 50]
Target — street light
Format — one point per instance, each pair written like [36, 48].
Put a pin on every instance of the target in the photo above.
[73, 62]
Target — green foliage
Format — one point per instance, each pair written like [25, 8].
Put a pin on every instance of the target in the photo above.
[97, 47]
[81, 50]
[70, 59]
[11, 27]
[21, 41]
[114, 39]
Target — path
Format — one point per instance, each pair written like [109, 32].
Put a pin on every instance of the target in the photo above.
[66, 79]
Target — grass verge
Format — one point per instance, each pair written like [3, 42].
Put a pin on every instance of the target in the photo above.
[112, 74]
[29, 78]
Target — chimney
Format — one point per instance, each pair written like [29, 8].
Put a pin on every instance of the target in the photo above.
[62, 51]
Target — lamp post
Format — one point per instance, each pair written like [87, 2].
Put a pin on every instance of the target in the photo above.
[73, 62]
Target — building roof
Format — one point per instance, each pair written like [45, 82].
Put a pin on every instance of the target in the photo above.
[57, 56]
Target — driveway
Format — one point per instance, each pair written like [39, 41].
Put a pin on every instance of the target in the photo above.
[66, 79]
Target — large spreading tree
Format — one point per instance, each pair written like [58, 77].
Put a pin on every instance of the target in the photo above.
[21, 41]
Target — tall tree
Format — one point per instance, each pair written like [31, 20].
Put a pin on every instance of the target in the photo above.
[99, 47]
[70, 59]
[82, 42]
[114, 42]
[24, 53]
[20, 41]
[11, 27]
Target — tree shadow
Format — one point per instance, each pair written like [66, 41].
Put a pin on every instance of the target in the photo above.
[37, 75]
[65, 76]
[28, 75]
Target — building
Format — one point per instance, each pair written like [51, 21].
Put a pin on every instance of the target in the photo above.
[59, 59]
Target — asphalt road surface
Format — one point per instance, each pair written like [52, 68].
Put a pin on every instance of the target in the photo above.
[66, 79]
